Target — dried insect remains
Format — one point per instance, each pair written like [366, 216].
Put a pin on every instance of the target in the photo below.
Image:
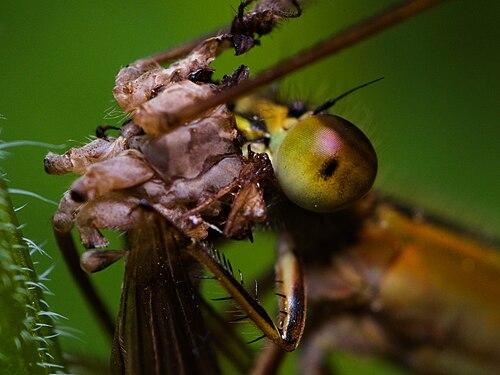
[167, 187]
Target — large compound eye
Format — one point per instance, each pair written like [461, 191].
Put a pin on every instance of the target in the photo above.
[325, 163]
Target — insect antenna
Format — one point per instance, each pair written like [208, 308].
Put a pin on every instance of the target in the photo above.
[331, 102]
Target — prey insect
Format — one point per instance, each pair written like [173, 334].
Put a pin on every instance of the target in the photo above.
[176, 179]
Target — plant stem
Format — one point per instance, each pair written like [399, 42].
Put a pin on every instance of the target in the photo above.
[28, 343]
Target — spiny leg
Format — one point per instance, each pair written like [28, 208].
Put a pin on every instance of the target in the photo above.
[292, 305]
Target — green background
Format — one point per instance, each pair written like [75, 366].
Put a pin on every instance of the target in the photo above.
[434, 119]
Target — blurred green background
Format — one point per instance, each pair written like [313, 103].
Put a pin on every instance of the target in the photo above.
[434, 119]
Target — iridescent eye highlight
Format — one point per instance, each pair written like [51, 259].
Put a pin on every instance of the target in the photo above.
[325, 163]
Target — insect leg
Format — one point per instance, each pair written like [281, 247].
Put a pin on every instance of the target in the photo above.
[113, 211]
[292, 295]
[292, 306]
[76, 160]
[123, 171]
